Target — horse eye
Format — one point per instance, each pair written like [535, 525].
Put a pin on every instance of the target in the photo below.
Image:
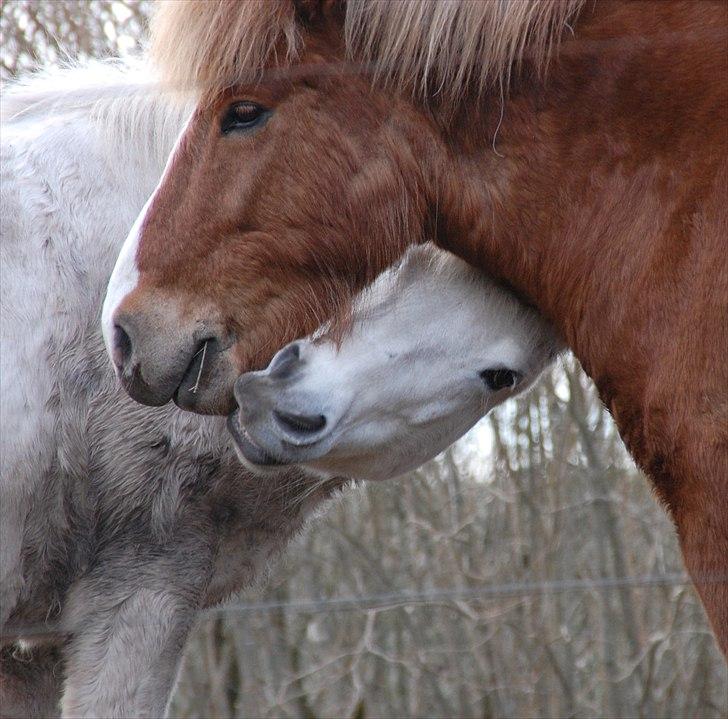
[498, 379]
[242, 116]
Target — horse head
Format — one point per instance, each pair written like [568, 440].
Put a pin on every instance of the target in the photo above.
[297, 180]
[431, 347]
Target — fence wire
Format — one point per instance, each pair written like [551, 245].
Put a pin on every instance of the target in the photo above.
[391, 600]
[508, 589]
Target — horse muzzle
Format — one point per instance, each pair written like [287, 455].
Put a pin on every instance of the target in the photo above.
[275, 423]
[156, 362]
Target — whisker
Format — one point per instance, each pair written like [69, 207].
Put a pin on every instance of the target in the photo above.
[196, 386]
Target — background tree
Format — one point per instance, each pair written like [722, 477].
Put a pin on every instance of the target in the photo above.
[34, 32]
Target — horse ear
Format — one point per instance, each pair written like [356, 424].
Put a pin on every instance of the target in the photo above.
[311, 11]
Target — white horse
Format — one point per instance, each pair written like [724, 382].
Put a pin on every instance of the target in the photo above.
[410, 378]
[120, 522]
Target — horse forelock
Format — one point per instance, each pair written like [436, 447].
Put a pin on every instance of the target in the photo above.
[431, 46]
[220, 43]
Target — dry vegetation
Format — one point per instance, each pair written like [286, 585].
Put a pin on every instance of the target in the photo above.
[523, 554]
[33, 32]
[526, 572]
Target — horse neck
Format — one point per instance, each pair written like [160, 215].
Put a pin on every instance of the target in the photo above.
[99, 118]
[598, 197]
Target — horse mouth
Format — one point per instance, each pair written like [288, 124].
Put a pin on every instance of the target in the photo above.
[246, 447]
[204, 387]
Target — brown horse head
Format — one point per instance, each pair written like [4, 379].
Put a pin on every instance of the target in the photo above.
[295, 182]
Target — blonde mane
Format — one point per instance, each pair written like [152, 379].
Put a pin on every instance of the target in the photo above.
[432, 46]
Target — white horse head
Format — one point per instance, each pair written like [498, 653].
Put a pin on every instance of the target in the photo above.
[434, 346]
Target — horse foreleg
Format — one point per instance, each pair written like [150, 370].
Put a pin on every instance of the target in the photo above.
[129, 623]
[30, 682]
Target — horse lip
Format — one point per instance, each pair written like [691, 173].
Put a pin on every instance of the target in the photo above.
[179, 386]
[184, 393]
[298, 443]
[251, 451]
[138, 389]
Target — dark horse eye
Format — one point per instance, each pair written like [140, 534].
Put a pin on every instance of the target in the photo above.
[242, 116]
[498, 379]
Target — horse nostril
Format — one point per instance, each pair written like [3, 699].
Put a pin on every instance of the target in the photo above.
[299, 423]
[122, 346]
[283, 364]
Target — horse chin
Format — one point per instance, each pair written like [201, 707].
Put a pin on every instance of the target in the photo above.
[210, 398]
[214, 401]
[249, 452]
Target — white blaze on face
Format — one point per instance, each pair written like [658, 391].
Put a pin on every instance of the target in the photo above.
[123, 279]
[125, 276]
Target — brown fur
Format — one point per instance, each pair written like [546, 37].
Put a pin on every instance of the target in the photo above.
[599, 195]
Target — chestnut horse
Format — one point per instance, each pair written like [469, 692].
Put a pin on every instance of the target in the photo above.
[576, 150]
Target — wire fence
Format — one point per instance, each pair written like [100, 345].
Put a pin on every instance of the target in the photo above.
[509, 589]
[390, 600]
